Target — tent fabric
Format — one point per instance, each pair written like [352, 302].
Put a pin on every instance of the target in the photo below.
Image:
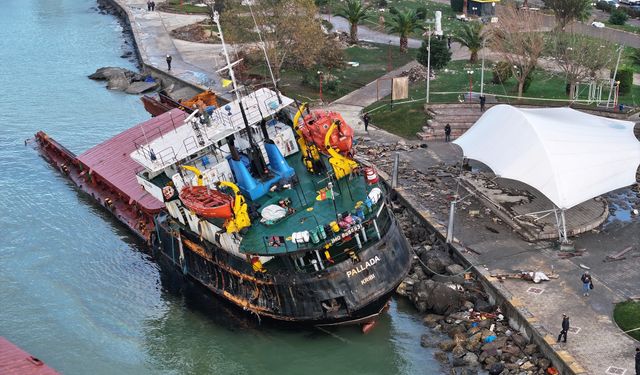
[569, 156]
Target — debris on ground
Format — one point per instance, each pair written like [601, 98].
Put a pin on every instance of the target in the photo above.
[571, 253]
[619, 255]
[534, 276]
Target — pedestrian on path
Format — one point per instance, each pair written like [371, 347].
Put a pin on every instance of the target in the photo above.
[366, 118]
[637, 361]
[483, 99]
[447, 133]
[449, 41]
[169, 58]
[565, 328]
[149, 5]
[587, 283]
[153, 5]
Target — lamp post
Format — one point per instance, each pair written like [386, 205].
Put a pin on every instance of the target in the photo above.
[469, 73]
[428, 63]
[320, 80]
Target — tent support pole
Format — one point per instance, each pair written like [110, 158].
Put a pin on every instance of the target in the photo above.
[564, 228]
[555, 212]
[452, 211]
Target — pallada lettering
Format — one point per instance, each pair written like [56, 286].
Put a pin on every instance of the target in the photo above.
[362, 267]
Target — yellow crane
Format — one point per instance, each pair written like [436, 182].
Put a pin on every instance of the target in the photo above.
[195, 171]
[310, 152]
[342, 165]
[240, 217]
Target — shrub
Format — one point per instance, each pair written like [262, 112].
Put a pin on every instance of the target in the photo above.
[501, 72]
[456, 5]
[527, 81]
[440, 54]
[383, 3]
[635, 56]
[625, 76]
[618, 17]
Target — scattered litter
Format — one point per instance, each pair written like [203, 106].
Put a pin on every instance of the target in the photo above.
[584, 267]
[491, 229]
[536, 277]
[354, 64]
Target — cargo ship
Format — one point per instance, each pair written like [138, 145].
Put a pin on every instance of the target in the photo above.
[259, 200]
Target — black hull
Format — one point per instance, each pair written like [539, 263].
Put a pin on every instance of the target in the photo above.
[292, 297]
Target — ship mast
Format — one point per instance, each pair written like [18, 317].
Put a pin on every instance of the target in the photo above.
[256, 154]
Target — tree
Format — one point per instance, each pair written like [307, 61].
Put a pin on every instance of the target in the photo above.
[471, 37]
[580, 57]
[456, 5]
[354, 11]
[518, 40]
[440, 53]
[290, 30]
[404, 23]
[567, 11]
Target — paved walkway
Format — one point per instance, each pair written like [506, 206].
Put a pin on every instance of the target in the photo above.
[189, 60]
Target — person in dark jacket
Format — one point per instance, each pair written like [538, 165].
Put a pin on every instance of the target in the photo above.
[565, 328]
[366, 118]
[483, 99]
[637, 361]
[169, 58]
[587, 283]
[447, 133]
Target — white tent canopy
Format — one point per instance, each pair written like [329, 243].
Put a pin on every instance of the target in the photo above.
[569, 156]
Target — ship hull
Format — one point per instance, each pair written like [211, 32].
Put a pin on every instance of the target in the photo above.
[360, 290]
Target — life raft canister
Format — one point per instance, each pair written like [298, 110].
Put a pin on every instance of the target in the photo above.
[371, 175]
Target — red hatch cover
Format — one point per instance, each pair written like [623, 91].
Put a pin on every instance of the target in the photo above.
[111, 161]
[14, 360]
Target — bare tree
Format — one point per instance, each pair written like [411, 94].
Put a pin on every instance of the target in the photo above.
[290, 30]
[580, 57]
[567, 11]
[519, 41]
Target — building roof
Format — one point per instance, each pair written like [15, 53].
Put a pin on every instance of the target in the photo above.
[112, 162]
[14, 360]
[568, 155]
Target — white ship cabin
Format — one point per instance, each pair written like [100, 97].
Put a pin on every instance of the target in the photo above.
[200, 142]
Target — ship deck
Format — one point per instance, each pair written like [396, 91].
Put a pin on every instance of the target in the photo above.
[309, 212]
[111, 160]
[14, 360]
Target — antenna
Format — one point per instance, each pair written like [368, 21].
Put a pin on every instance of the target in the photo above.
[266, 57]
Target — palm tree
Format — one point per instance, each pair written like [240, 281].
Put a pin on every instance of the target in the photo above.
[471, 37]
[404, 23]
[354, 11]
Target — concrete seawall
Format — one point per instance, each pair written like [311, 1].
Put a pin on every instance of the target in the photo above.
[146, 66]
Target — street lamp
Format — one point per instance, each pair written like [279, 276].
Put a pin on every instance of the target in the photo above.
[320, 80]
[470, 73]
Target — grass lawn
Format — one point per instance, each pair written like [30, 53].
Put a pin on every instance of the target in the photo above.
[625, 27]
[627, 316]
[174, 6]
[372, 58]
[407, 119]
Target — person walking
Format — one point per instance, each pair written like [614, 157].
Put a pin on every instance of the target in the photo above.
[587, 283]
[483, 99]
[637, 361]
[447, 133]
[153, 5]
[169, 62]
[565, 328]
[366, 118]
[149, 5]
[449, 41]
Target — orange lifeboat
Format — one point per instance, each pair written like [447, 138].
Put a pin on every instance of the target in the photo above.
[317, 124]
[207, 202]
